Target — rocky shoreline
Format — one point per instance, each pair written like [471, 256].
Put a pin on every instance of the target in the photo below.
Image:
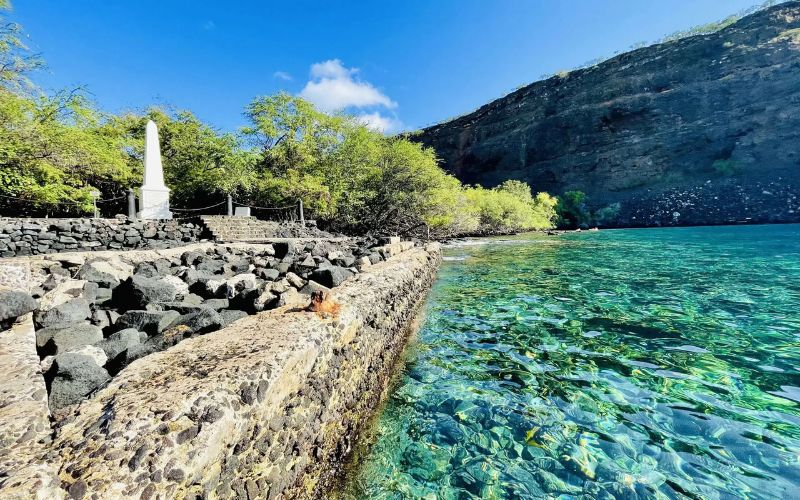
[89, 319]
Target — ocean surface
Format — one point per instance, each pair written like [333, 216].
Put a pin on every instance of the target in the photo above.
[643, 363]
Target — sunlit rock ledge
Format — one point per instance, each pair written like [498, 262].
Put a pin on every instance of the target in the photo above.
[268, 407]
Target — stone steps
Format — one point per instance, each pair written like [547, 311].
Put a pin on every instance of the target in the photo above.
[238, 228]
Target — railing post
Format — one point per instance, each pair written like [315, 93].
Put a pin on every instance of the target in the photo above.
[230, 205]
[300, 210]
[131, 204]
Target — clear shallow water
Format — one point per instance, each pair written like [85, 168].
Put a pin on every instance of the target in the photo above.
[659, 363]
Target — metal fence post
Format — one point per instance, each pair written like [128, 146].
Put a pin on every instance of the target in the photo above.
[131, 204]
[300, 210]
[230, 205]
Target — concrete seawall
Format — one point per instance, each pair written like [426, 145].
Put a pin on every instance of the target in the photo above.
[268, 407]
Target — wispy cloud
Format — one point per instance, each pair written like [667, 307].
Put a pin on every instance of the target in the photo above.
[335, 87]
[282, 75]
[209, 25]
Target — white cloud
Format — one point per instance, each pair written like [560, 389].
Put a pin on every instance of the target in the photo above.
[332, 68]
[209, 25]
[377, 121]
[282, 75]
[333, 88]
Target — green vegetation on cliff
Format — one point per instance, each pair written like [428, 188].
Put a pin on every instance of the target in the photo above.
[55, 150]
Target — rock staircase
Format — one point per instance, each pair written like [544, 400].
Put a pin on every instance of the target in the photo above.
[239, 228]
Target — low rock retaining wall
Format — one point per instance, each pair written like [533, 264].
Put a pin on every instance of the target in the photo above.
[20, 237]
[266, 407]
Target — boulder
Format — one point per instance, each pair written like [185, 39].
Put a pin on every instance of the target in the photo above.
[312, 286]
[146, 269]
[192, 257]
[292, 297]
[118, 342]
[203, 320]
[375, 257]
[74, 377]
[230, 315]
[96, 353]
[139, 291]
[265, 299]
[106, 273]
[211, 266]
[295, 280]
[217, 304]
[283, 248]
[66, 337]
[268, 274]
[239, 283]
[14, 304]
[331, 276]
[63, 292]
[181, 307]
[363, 262]
[72, 311]
[89, 291]
[103, 318]
[150, 322]
[181, 288]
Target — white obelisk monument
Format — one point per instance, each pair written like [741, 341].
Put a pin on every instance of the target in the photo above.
[154, 197]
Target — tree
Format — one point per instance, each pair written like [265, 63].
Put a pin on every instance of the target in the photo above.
[571, 208]
[16, 61]
[54, 151]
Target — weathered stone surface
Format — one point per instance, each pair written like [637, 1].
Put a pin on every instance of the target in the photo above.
[29, 470]
[119, 342]
[139, 291]
[203, 320]
[291, 297]
[230, 315]
[312, 286]
[66, 337]
[14, 303]
[331, 276]
[150, 322]
[307, 390]
[674, 133]
[74, 377]
[107, 273]
[72, 311]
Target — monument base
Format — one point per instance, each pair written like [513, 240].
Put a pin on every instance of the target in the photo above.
[154, 203]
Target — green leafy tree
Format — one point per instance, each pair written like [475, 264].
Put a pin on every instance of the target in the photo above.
[16, 61]
[571, 209]
[54, 151]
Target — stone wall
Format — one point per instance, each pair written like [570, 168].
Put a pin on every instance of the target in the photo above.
[267, 407]
[19, 237]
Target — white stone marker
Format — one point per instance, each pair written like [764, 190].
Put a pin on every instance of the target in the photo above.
[154, 197]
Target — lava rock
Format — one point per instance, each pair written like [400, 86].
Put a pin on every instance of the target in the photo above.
[202, 321]
[150, 322]
[217, 304]
[118, 342]
[72, 311]
[139, 291]
[14, 304]
[66, 337]
[230, 315]
[73, 377]
[331, 276]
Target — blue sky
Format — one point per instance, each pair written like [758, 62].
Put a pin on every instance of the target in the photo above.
[399, 64]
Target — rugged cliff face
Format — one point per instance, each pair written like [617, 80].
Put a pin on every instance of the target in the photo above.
[702, 130]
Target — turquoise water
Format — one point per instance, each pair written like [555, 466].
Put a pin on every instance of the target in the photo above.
[657, 363]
